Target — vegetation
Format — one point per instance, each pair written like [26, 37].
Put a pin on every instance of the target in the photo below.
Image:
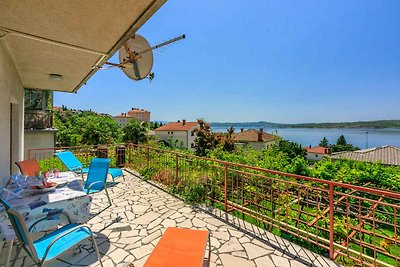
[135, 132]
[341, 145]
[324, 142]
[85, 128]
[207, 140]
[77, 127]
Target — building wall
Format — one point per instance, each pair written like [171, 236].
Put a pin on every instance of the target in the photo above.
[256, 145]
[180, 136]
[191, 138]
[141, 115]
[12, 98]
[183, 137]
[122, 121]
[315, 156]
[38, 139]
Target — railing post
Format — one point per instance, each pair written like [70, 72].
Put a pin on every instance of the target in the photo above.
[331, 222]
[226, 187]
[148, 157]
[176, 166]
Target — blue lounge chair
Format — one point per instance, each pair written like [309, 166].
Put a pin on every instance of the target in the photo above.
[73, 164]
[50, 246]
[96, 179]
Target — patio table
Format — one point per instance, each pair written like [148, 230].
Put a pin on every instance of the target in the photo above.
[69, 197]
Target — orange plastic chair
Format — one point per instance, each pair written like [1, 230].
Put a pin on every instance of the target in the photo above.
[28, 167]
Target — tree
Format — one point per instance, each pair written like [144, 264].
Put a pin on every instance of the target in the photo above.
[206, 140]
[324, 142]
[342, 145]
[341, 141]
[228, 140]
[135, 132]
[100, 129]
[291, 149]
[85, 128]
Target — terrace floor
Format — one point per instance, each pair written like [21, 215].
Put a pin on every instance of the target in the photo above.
[128, 231]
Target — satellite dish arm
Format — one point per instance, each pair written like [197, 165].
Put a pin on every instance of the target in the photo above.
[183, 36]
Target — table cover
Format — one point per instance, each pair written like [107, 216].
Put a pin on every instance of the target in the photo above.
[68, 197]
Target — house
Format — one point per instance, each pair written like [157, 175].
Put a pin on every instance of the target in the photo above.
[257, 139]
[133, 114]
[387, 155]
[317, 152]
[56, 46]
[182, 134]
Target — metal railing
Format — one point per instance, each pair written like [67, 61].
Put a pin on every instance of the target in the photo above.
[38, 119]
[354, 225]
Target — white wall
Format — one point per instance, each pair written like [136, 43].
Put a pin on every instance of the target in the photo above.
[191, 138]
[34, 139]
[12, 92]
[315, 156]
[181, 136]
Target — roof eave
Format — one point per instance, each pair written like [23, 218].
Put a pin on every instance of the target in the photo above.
[146, 15]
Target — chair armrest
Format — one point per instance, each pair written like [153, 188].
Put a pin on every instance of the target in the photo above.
[64, 234]
[90, 186]
[48, 217]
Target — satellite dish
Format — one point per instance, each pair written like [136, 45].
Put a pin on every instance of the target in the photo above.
[136, 58]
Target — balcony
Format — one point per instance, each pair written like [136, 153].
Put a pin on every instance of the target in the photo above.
[256, 217]
[38, 119]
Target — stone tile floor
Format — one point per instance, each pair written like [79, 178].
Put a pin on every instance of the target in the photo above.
[129, 230]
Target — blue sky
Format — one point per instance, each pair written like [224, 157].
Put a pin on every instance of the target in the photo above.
[278, 61]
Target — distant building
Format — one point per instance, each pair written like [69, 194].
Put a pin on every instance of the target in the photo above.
[388, 155]
[257, 139]
[133, 114]
[180, 133]
[317, 152]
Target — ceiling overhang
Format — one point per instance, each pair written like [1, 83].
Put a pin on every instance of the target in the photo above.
[68, 38]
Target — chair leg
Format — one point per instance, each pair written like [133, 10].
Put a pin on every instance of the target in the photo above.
[108, 196]
[97, 250]
[19, 249]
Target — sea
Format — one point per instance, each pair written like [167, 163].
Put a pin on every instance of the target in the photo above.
[360, 137]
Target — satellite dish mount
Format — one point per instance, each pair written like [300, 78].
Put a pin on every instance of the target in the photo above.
[136, 57]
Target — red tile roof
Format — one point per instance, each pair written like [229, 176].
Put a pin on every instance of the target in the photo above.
[177, 126]
[252, 136]
[317, 149]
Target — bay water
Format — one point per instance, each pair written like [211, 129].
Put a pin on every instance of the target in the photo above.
[360, 137]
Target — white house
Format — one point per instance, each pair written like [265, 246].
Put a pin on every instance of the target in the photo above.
[317, 153]
[55, 45]
[180, 133]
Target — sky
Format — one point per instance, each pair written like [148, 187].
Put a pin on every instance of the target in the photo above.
[286, 61]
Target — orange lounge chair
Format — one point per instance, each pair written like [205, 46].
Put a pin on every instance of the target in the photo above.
[28, 167]
[180, 247]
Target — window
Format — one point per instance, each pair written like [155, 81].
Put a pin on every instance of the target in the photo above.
[192, 133]
[316, 156]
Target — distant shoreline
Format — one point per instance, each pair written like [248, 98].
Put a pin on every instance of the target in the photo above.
[379, 124]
